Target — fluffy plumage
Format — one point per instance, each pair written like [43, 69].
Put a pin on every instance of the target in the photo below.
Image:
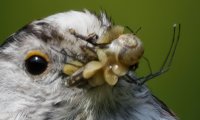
[45, 97]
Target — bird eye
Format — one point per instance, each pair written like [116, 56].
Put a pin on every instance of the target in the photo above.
[36, 62]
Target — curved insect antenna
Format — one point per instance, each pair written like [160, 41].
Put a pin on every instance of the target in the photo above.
[133, 32]
[166, 64]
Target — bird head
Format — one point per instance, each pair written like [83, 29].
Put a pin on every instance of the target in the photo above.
[67, 60]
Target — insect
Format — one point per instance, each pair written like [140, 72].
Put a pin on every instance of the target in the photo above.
[117, 52]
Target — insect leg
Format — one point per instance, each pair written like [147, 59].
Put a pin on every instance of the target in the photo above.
[148, 63]
[133, 32]
[91, 38]
[166, 64]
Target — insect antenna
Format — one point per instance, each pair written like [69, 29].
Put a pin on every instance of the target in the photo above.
[166, 64]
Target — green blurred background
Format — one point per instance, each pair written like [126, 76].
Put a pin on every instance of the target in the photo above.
[178, 88]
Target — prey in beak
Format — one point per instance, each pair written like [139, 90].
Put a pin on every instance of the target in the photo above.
[115, 53]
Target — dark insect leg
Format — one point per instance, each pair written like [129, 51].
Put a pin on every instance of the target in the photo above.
[137, 30]
[134, 32]
[72, 55]
[166, 64]
[148, 63]
[91, 38]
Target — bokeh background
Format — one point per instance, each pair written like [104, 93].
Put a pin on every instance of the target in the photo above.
[178, 88]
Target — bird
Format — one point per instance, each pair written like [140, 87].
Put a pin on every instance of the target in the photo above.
[35, 86]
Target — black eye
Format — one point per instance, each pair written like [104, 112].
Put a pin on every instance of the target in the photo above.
[36, 64]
